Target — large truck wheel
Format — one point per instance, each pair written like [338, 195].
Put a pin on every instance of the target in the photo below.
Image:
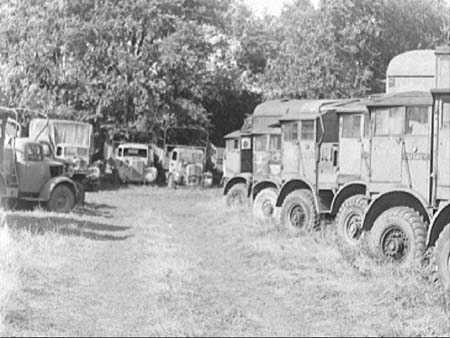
[237, 195]
[264, 205]
[399, 235]
[62, 199]
[299, 211]
[442, 257]
[349, 219]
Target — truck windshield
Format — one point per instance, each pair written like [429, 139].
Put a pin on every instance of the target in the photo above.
[192, 157]
[34, 152]
[76, 151]
[135, 152]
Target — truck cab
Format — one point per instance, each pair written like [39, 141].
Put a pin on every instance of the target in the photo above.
[309, 162]
[186, 166]
[134, 163]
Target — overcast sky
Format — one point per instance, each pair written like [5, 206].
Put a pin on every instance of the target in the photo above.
[272, 6]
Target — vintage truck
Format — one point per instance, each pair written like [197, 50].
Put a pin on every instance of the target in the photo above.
[71, 143]
[27, 175]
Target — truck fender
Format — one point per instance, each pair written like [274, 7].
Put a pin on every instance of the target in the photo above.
[347, 190]
[438, 223]
[245, 179]
[292, 185]
[261, 185]
[394, 198]
[53, 183]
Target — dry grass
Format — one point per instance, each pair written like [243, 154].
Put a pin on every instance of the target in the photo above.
[150, 261]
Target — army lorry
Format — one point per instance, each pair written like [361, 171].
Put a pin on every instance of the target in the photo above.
[187, 157]
[25, 173]
[258, 156]
[309, 150]
[134, 163]
[71, 143]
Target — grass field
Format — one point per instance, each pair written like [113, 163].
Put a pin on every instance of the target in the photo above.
[150, 261]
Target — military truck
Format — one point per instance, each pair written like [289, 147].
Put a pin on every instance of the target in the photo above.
[71, 143]
[134, 163]
[187, 157]
[309, 151]
[25, 173]
[258, 156]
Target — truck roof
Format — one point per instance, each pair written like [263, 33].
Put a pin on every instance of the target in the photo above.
[61, 121]
[133, 145]
[308, 110]
[413, 63]
[413, 98]
[233, 134]
[350, 106]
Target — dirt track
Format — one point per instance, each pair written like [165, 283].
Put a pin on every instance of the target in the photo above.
[151, 261]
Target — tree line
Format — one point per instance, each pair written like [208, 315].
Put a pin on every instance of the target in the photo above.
[145, 65]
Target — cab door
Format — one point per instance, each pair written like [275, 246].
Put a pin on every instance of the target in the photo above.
[260, 156]
[350, 145]
[290, 153]
[246, 154]
[232, 158]
[386, 150]
[443, 148]
[32, 172]
[417, 148]
[307, 160]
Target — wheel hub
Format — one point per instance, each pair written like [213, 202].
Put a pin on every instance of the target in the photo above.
[297, 216]
[395, 244]
[237, 198]
[353, 226]
[267, 208]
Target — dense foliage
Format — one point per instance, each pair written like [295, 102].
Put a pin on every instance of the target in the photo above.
[144, 65]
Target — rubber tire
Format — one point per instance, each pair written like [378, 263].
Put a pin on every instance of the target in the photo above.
[239, 189]
[305, 199]
[442, 256]
[265, 195]
[171, 182]
[410, 222]
[353, 205]
[82, 193]
[61, 189]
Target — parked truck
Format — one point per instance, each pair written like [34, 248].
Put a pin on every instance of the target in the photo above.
[187, 157]
[258, 156]
[27, 175]
[71, 143]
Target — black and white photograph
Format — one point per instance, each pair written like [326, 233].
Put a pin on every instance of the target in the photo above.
[225, 168]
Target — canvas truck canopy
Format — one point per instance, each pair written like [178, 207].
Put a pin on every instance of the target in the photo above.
[404, 99]
[61, 132]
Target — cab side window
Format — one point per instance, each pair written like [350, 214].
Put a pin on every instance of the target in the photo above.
[389, 122]
[120, 152]
[307, 131]
[416, 121]
[174, 155]
[351, 126]
[291, 131]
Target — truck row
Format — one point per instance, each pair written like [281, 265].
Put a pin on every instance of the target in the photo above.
[379, 165]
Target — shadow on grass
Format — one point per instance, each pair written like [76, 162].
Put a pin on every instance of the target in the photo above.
[95, 209]
[68, 226]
